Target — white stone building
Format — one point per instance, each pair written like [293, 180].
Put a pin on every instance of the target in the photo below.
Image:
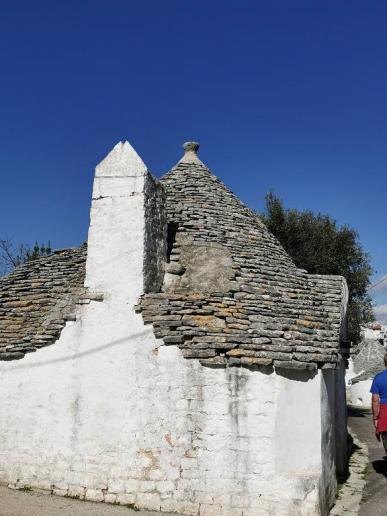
[180, 362]
[365, 364]
[374, 331]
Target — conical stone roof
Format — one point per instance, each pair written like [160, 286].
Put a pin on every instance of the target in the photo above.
[206, 210]
[232, 295]
[369, 361]
[37, 299]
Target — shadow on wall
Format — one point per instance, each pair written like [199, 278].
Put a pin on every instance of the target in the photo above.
[76, 355]
[298, 376]
[290, 374]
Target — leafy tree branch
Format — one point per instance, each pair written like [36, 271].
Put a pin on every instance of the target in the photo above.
[316, 243]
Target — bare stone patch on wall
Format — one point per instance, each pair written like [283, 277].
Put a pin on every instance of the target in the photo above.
[203, 267]
[155, 235]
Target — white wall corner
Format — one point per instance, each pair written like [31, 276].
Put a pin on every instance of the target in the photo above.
[344, 314]
[127, 227]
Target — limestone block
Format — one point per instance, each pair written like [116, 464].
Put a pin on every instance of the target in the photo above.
[210, 510]
[165, 486]
[131, 486]
[117, 486]
[146, 486]
[71, 477]
[61, 485]
[186, 508]
[76, 492]
[150, 501]
[45, 485]
[126, 499]
[94, 495]
[60, 492]
[234, 512]
[239, 501]
[110, 498]
[157, 474]
[95, 480]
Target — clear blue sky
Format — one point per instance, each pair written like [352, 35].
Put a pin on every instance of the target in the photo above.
[289, 96]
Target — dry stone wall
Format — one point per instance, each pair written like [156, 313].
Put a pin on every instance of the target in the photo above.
[232, 296]
[37, 299]
[155, 238]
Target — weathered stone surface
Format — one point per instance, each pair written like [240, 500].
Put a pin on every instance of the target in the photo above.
[255, 361]
[368, 361]
[293, 364]
[174, 268]
[230, 291]
[38, 298]
[155, 241]
[203, 267]
[228, 277]
[208, 323]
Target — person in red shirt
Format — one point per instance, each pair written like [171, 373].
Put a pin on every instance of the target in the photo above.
[379, 405]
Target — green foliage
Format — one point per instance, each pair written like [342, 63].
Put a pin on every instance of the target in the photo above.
[316, 243]
[365, 472]
[11, 256]
[36, 251]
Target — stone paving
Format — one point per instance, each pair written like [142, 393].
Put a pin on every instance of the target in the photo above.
[365, 492]
[374, 500]
[350, 493]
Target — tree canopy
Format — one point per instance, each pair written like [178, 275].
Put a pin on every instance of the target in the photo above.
[316, 243]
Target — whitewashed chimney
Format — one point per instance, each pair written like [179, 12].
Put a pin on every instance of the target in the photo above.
[126, 241]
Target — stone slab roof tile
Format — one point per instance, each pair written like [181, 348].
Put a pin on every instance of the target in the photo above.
[37, 298]
[232, 295]
[369, 361]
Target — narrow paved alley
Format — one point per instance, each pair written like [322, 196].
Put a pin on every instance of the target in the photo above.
[374, 501]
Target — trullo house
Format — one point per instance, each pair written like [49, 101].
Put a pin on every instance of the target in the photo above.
[366, 361]
[178, 362]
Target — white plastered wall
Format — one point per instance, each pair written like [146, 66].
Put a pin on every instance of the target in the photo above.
[139, 424]
[359, 392]
[108, 413]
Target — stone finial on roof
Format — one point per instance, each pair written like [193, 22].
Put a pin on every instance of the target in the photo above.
[190, 153]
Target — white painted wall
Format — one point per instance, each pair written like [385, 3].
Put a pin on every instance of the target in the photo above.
[297, 438]
[108, 413]
[358, 393]
[374, 334]
[152, 428]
